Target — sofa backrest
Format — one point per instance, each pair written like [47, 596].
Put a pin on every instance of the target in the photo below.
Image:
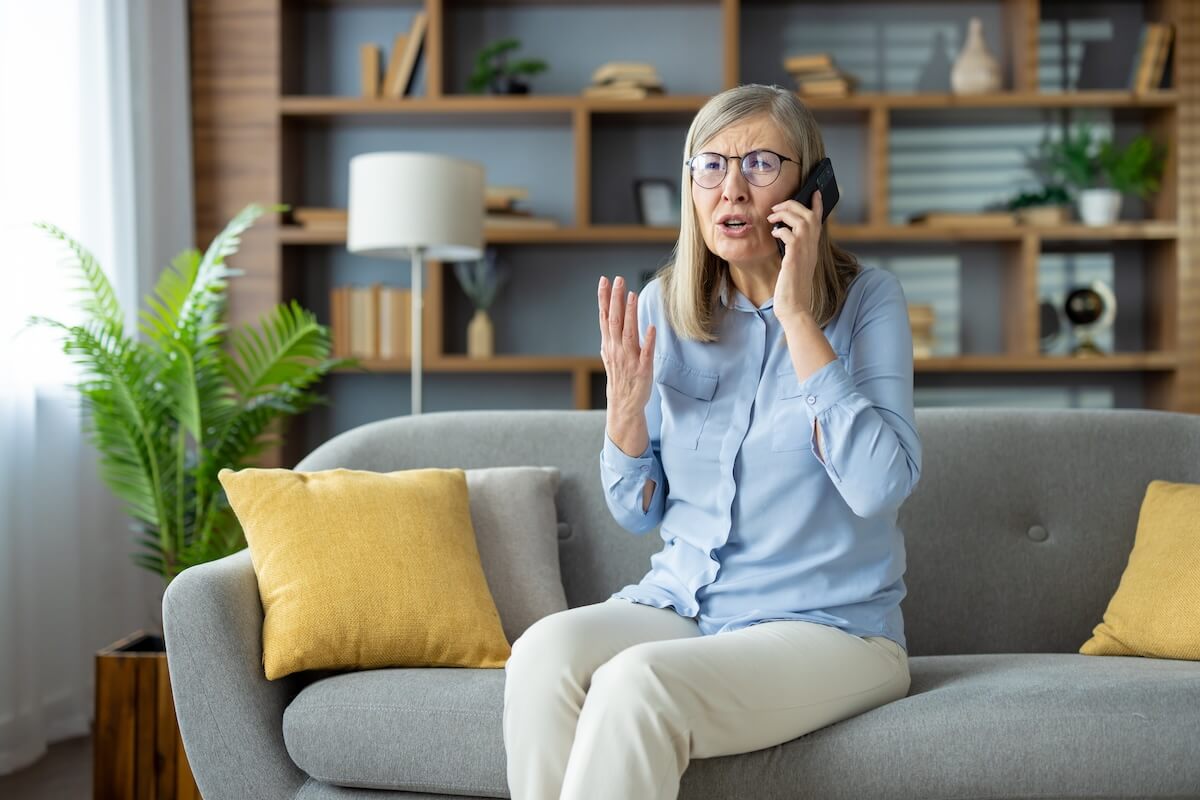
[1016, 535]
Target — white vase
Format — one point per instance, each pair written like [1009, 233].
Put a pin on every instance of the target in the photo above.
[975, 71]
[1099, 206]
[480, 336]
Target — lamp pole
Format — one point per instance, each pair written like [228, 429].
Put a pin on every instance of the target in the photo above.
[418, 269]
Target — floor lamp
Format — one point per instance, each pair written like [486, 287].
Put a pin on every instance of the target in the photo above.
[415, 206]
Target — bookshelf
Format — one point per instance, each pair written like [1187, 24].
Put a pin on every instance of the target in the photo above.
[255, 120]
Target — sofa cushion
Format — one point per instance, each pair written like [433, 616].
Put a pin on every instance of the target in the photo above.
[1155, 611]
[360, 569]
[972, 726]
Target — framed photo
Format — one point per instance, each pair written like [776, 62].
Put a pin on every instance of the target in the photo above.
[657, 202]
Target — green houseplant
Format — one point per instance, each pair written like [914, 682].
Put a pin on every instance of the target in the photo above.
[167, 413]
[494, 73]
[1100, 172]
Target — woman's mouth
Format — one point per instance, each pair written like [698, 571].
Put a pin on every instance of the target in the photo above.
[734, 230]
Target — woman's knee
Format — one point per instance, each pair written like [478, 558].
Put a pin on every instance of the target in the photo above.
[553, 639]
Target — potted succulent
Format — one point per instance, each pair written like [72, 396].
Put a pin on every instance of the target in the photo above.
[165, 414]
[480, 280]
[1101, 171]
[494, 73]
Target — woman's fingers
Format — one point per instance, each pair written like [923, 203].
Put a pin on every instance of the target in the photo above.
[631, 330]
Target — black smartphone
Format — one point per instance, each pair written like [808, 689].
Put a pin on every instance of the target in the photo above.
[820, 177]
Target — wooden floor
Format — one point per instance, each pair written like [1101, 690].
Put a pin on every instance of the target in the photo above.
[63, 773]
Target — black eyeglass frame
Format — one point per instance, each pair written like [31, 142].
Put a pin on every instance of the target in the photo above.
[741, 166]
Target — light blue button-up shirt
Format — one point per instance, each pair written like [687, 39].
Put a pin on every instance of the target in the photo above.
[758, 523]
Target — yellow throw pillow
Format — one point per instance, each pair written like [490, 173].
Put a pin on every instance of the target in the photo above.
[1155, 611]
[361, 570]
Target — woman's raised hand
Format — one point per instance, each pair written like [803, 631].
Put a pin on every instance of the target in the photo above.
[628, 365]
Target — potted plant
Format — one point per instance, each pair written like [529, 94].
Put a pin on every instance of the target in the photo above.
[165, 414]
[1100, 171]
[494, 73]
[480, 280]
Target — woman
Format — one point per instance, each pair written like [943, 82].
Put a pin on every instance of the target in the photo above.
[771, 434]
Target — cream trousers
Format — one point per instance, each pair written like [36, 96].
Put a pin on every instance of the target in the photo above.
[614, 699]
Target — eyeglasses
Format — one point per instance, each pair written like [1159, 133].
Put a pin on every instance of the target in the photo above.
[759, 167]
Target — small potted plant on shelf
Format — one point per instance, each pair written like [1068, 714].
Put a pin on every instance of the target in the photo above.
[1100, 171]
[480, 280]
[165, 414]
[495, 74]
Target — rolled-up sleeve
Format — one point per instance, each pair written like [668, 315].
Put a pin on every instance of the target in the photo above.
[624, 476]
[865, 408]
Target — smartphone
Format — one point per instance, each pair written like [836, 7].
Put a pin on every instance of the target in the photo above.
[820, 177]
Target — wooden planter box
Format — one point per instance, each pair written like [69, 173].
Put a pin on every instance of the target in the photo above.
[138, 754]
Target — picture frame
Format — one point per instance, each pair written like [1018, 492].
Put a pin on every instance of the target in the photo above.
[657, 202]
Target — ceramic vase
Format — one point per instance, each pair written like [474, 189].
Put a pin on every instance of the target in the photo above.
[480, 335]
[975, 71]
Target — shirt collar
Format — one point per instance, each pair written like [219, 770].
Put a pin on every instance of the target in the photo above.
[740, 301]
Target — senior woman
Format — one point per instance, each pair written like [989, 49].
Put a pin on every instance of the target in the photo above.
[760, 414]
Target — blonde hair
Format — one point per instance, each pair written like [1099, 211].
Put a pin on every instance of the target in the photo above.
[691, 280]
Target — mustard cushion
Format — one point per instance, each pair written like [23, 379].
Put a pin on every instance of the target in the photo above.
[1155, 611]
[361, 570]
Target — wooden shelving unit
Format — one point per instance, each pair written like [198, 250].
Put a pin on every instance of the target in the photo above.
[248, 121]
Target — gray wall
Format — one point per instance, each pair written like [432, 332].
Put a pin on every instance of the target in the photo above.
[965, 159]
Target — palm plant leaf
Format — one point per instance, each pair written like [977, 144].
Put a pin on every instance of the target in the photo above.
[100, 301]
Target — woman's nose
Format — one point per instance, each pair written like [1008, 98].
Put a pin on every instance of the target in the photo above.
[734, 187]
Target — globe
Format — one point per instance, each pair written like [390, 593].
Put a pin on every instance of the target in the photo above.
[1084, 306]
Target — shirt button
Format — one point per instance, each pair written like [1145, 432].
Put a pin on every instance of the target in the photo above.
[812, 399]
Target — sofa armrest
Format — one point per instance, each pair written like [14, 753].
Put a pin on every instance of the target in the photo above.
[230, 716]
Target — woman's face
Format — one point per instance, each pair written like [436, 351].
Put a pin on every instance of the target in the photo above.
[753, 245]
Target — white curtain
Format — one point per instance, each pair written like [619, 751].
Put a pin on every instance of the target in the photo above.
[94, 138]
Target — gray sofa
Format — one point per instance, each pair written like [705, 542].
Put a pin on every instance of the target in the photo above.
[1017, 535]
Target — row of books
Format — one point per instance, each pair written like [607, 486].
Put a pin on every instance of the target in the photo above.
[625, 80]
[397, 81]
[372, 321]
[1150, 64]
[500, 211]
[816, 75]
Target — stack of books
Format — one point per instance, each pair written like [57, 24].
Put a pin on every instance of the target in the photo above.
[1150, 63]
[625, 80]
[405, 50]
[817, 76]
[501, 211]
[322, 219]
[920, 319]
[371, 322]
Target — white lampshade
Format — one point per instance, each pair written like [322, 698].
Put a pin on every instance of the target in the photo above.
[400, 201]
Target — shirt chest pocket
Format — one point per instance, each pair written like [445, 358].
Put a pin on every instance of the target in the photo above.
[686, 395]
[791, 427]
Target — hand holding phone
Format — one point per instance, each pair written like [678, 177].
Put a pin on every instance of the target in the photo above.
[821, 178]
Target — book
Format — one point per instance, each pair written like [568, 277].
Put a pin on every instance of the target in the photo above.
[834, 88]
[964, 218]
[319, 217]
[615, 70]
[807, 61]
[514, 221]
[621, 92]
[392, 79]
[408, 60]
[1158, 64]
[368, 57]
[337, 322]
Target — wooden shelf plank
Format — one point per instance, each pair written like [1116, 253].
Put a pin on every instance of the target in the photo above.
[621, 234]
[1118, 362]
[328, 106]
